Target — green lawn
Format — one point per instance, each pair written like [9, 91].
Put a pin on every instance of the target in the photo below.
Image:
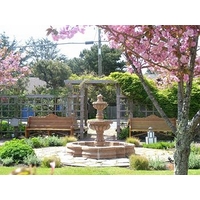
[96, 171]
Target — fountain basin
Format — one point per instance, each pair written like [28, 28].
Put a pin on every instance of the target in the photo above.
[99, 125]
[110, 149]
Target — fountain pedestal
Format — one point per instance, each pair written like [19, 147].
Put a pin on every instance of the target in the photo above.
[99, 126]
[99, 148]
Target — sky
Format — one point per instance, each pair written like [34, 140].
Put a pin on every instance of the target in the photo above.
[22, 19]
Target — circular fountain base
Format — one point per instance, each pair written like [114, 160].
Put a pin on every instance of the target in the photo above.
[110, 149]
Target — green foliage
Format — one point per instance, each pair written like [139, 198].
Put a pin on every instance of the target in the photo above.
[88, 61]
[132, 88]
[43, 49]
[21, 127]
[67, 139]
[138, 162]
[194, 161]
[37, 142]
[15, 149]
[107, 90]
[47, 160]
[52, 72]
[7, 161]
[5, 126]
[134, 140]
[124, 133]
[195, 149]
[157, 164]
[54, 141]
[167, 98]
[32, 160]
[194, 105]
[160, 145]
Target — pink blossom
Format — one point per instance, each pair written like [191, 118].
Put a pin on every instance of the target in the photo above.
[166, 48]
[10, 63]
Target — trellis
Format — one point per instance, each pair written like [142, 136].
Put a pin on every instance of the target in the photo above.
[17, 109]
[78, 98]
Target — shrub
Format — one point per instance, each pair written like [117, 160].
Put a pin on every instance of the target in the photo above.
[16, 149]
[124, 133]
[36, 143]
[47, 160]
[21, 127]
[32, 160]
[160, 145]
[134, 140]
[194, 161]
[67, 139]
[54, 141]
[5, 126]
[138, 162]
[195, 149]
[157, 164]
[7, 161]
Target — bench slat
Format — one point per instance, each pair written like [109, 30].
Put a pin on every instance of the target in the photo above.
[142, 124]
[51, 123]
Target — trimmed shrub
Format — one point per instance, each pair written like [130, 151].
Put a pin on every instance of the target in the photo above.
[32, 160]
[194, 161]
[124, 133]
[134, 140]
[5, 126]
[36, 142]
[47, 160]
[67, 139]
[157, 164]
[138, 162]
[160, 145]
[195, 149]
[54, 141]
[16, 149]
[7, 162]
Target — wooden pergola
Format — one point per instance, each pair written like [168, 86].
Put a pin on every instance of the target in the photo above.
[82, 97]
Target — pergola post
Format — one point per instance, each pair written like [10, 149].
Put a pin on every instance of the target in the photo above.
[118, 108]
[82, 97]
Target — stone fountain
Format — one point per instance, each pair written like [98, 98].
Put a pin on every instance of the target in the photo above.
[100, 148]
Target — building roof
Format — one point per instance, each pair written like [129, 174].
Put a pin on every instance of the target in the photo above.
[34, 82]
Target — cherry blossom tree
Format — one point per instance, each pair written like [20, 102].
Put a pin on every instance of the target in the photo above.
[10, 69]
[171, 51]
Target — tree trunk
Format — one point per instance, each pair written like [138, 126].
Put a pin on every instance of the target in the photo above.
[182, 153]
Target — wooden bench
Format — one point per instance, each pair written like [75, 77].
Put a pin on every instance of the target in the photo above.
[50, 124]
[140, 124]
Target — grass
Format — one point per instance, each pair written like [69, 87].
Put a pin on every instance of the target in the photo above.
[97, 171]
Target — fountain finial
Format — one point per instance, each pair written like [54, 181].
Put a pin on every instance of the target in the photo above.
[99, 98]
[99, 105]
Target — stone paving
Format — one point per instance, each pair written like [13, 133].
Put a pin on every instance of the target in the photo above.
[69, 160]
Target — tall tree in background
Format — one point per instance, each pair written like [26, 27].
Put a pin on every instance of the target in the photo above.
[6, 42]
[42, 49]
[171, 52]
[13, 46]
[88, 61]
[53, 72]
